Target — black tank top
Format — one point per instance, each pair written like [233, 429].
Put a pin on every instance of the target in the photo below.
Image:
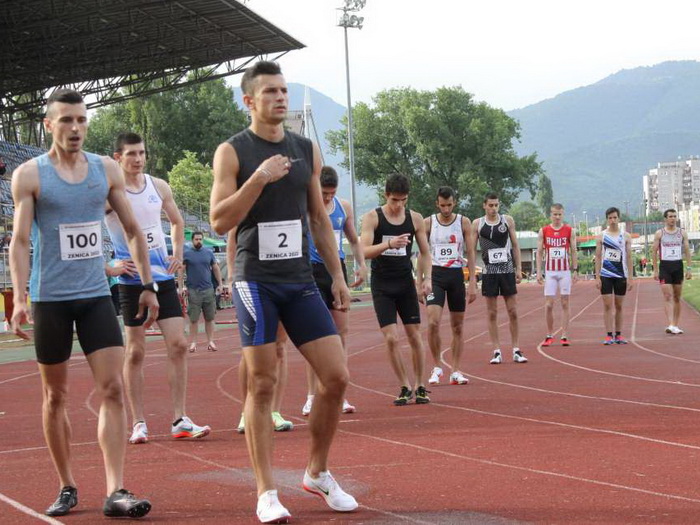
[394, 263]
[278, 216]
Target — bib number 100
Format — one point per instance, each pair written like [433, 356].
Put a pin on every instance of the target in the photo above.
[80, 240]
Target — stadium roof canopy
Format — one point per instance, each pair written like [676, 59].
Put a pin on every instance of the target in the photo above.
[100, 46]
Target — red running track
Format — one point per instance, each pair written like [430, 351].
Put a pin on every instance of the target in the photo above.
[585, 434]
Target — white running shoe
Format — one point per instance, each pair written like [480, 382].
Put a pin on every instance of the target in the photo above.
[518, 356]
[281, 424]
[497, 358]
[307, 406]
[241, 425]
[139, 434]
[327, 488]
[187, 429]
[676, 330]
[348, 408]
[435, 376]
[456, 378]
[669, 329]
[270, 510]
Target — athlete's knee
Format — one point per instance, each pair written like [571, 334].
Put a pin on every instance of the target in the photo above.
[111, 389]
[261, 386]
[336, 383]
[178, 348]
[134, 353]
[391, 340]
[55, 397]
[433, 324]
[512, 311]
[457, 328]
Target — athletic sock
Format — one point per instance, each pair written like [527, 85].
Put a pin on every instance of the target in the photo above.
[617, 334]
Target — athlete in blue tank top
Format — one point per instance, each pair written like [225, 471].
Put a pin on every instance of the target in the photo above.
[266, 184]
[60, 197]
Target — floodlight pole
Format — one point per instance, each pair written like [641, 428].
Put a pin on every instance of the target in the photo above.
[347, 21]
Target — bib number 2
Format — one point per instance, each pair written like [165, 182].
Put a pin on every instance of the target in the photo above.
[279, 240]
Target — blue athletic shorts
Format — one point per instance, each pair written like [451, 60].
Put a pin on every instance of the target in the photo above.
[299, 307]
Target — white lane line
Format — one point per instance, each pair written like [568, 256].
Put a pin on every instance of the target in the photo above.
[26, 510]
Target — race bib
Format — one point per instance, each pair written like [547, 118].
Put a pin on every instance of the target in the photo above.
[154, 237]
[393, 252]
[557, 252]
[498, 255]
[279, 240]
[444, 253]
[81, 240]
[670, 253]
[612, 255]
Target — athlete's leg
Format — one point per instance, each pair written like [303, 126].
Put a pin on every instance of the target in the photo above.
[133, 370]
[57, 429]
[457, 324]
[492, 316]
[209, 329]
[608, 312]
[261, 364]
[341, 323]
[434, 340]
[619, 302]
[667, 291]
[326, 358]
[282, 370]
[565, 316]
[106, 365]
[677, 292]
[391, 338]
[417, 352]
[176, 345]
[512, 308]
[549, 313]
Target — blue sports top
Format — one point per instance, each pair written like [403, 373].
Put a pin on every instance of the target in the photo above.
[146, 205]
[338, 218]
[614, 256]
[67, 234]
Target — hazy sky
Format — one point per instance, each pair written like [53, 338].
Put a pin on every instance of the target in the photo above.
[509, 53]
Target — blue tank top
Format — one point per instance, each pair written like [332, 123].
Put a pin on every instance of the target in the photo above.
[147, 205]
[67, 234]
[614, 256]
[338, 218]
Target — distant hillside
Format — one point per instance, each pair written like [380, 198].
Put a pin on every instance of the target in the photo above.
[327, 115]
[598, 141]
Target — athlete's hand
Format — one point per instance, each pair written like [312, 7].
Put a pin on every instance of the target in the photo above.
[630, 284]
[656, 275]
[148, 302]
[20, 316]
[518, 276]
[274, 168]
[124, 267]
[341, 295]
[598, 283]
[471, 292]
[539, 278]
[360, 276]
[574, 277]
[427, 287]
[401, 241]
[175, 265]
[688, 275]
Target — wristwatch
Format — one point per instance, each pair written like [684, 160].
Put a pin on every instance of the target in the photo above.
[151, 287]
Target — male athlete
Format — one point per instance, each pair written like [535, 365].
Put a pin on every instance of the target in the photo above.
[149, 196]
[449, 235]
[266, 183]
[60, 197]
[556, 246]
[670, 243]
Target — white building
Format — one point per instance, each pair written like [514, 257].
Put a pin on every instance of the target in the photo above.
[672, 184]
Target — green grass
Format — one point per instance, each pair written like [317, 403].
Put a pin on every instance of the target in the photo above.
[691, 291]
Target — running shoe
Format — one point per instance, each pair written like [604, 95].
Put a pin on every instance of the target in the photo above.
[123, 504]
[270, 510]
[193, 348]
[422, 396]
[281, 424]
[241, 425]
[67, 499]
[457, 378]
[619, 340]
[327, 488]
[676, 330]
[564, 341]
[404, 397]
[306, 410]
[435, 376]
[497, 358]
[348, 408]
[669, 329]
[187, 429]
[139, 434]
[548, 341]
[518, 356]
[211, 347]
[608, 340]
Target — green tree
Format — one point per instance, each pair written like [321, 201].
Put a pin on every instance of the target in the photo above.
[191, 182]
[439, 138]
[545, 195]
[527, 216]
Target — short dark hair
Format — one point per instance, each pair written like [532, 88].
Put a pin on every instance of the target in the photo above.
[556, 206]
[264, 67]
[611, 210]
[67, 96]
[490, 196]
[398, 184]
[446, 192]
[126, 138]
[197, 233]
[329, 177]
[670, 210]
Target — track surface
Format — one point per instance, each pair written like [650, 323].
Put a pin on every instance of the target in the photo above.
[587, 433]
